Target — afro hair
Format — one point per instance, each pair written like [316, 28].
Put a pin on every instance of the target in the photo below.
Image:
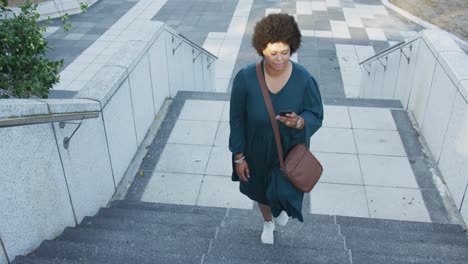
[276, 28]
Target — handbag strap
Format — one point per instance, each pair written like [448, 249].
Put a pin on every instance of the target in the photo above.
[274, 122]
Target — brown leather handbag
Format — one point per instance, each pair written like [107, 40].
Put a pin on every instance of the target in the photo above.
[300, 166]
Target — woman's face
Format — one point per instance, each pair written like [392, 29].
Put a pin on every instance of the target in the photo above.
[277, 55]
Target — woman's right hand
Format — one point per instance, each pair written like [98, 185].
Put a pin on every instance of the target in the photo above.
[242, 170]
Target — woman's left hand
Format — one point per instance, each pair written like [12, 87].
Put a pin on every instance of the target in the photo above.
[290, 120]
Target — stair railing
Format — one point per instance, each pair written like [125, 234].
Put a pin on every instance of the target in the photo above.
[387, 51]
[52, 118]
[195, 48]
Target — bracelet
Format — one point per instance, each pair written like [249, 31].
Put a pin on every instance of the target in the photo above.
[299, 123]
[238, 161]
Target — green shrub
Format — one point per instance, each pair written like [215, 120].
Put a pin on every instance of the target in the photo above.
[25, 71]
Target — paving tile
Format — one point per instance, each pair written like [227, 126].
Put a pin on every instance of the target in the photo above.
[318, 6]
[335, 140]
[323, 34]
[333, 4]
[303, 8]
[397, 204]
[184, 158]
[379, 142]
[220, 162]
[336, 116]
[364, 52]
[358, 33]
[213, 45]
[340, 168]
[194, 132]
[269, 11]
[352, 18]
[336, 14]
[307, 33]
[376, 34]
[222, 135]
[371, 118]
[340, 29]
[339, 199]
[202, 110]
[225, 115]
[173, 188]
[408, 34]
[387, 171]
[220, 191]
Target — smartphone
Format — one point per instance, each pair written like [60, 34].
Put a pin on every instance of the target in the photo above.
[284, 112]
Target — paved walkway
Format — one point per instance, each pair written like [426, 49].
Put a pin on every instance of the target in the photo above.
[374, 164]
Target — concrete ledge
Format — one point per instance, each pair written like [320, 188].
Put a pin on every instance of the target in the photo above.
[57, 106]
[104, 84]
[449, 55]
[22, 107]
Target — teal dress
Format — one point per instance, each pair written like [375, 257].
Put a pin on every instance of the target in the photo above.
[252, 134]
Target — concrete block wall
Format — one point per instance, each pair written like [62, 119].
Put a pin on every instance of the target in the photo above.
[434, 87]
[35, 202]
[47, 187]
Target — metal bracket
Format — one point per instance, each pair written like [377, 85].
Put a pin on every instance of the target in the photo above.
[406, 56]
[196, 57]
[210, 61]
[384, 66]
[178, 45]
[66, 140]
[364, 66]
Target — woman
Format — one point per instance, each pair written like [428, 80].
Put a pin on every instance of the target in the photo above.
[252, 142]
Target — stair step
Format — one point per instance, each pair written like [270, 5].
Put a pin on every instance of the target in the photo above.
[396, 225]
[157, 229]
[111, 253]
[175, 208]
[226, 251]
[298, 240]
[36, 260]
[218, 260]
[173, 244]
[293, 226]
[406, 236]
[407, 248]
[254, 215]
[292, 229]
[161, 217]
[364, 257]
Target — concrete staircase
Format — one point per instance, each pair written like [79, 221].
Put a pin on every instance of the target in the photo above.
[138, 232]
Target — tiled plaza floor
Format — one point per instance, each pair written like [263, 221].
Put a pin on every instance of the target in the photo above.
[371, 168]
[374, 166]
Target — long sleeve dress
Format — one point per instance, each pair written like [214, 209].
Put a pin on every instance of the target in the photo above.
[252, 134]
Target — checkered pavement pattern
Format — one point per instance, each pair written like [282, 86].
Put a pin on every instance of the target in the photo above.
[337, 35]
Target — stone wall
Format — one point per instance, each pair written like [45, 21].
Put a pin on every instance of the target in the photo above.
[433, 86]
[46, 187]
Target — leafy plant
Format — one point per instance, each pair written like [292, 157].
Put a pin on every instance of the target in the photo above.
[25, 70]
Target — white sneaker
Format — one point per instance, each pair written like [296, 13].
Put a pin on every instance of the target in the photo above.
[267, 234]
[282, 219]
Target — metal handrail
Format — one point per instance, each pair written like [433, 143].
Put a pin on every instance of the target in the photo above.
[195, 45]
[388, 50]
[381, 54]
[40, 119]
[52, 118]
